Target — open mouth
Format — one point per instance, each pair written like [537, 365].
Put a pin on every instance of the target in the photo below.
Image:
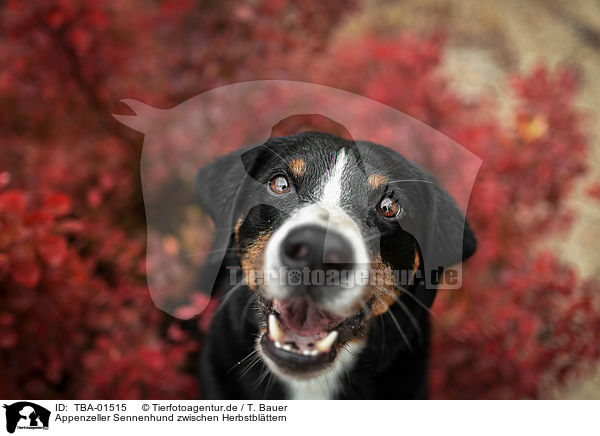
[301, 337]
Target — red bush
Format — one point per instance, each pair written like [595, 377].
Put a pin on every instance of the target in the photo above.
[76, 317]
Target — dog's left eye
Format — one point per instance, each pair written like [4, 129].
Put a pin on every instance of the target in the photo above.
[388, 207]
[280, 184]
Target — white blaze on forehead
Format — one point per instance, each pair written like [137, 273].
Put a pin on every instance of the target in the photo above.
[332, 189]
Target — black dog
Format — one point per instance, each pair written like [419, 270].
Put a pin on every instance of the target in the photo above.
[329, 248]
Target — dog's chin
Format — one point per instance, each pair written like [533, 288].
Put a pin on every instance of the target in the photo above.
[301, 340]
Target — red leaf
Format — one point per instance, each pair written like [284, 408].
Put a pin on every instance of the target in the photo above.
[38, 220]
[4, 178]
[53, 249]
[57, 204]
[13, 202]
[594, 191]
[94, 198]
[26, 272]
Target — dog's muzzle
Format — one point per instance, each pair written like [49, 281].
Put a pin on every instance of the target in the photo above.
[316, 306]
[318, 258]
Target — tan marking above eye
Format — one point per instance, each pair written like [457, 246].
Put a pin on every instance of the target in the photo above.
[377, 181]
[297, 167]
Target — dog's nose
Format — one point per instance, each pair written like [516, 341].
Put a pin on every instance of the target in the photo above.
[316, 247]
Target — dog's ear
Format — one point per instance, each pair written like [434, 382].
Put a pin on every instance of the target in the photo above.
[218, 187]
[439, 226]
[218, 184]
[450, 239]
[445, 239]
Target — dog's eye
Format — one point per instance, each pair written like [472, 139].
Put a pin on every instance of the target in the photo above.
[280, 184]
[388, 207]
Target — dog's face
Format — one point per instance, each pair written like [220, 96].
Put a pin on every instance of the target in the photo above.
[328, 233]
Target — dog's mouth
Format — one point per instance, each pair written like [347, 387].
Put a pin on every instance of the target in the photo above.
[303, 339]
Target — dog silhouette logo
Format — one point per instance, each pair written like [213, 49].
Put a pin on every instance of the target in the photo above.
[26, 415]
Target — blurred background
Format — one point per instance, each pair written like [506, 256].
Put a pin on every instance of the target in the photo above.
[514, 82]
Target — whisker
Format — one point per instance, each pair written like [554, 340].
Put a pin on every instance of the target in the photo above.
[411, 318]
[243, 360]
[406, 292]
[400, 330]
[275, 153]
[229, 293]
[258, 359]
[216, 250]
[410, 180]
[420, 303]
[268, 384]
[407, 311]
[263, 376]
[352, 353]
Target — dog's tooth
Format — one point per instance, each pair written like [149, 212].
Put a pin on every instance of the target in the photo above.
[314, 352]
[325, 344]
[275, 332]
[306, 352]
[287, 347]
[278, 344]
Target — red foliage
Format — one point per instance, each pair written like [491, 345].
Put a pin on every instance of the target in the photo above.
[76, 317]
[532, 320]
[67, 330]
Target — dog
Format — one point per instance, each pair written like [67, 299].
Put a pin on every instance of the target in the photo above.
[303, 224]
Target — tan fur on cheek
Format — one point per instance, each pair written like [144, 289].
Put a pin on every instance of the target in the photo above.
[377, 181]
[385, 292]
[252, 259]
[297, 167]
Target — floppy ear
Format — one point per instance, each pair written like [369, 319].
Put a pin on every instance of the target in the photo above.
[451, 239]
[447, 238]
[444, 237]
[217, 186]
[438, 225]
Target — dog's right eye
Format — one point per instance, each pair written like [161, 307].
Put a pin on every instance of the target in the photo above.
[389, 207]
[280, 184]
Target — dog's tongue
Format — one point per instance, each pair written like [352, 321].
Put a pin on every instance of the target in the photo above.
[303, 318]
